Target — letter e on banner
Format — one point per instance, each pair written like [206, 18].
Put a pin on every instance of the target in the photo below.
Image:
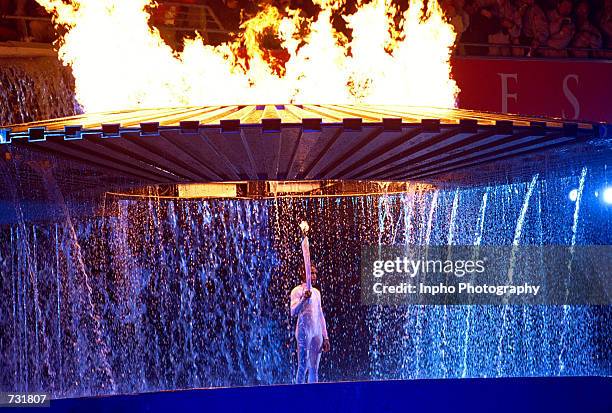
[505, 96]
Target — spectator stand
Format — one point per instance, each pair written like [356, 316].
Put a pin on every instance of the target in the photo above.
[29, 32]
[32, 35]
[507, 50]
[25, 31]
[532, 28]
[179, 19]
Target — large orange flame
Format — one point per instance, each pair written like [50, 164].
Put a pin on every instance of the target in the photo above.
[120, 62]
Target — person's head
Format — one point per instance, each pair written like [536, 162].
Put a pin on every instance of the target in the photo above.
[583, 10]
[232, 4]
[313, 273]
[459, 4]
[40, 11]
[564, 7]
[470, 6]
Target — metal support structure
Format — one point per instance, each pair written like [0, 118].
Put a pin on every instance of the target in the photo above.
[303, 142]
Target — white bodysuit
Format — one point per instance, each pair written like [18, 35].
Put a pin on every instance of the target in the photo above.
[310, 331]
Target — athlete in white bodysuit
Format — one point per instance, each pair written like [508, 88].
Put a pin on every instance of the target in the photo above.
[310, 331]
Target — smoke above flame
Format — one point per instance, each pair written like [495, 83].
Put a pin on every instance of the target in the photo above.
[120, 62]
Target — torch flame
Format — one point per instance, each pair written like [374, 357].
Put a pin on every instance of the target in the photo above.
[304, 227]
[120, 62]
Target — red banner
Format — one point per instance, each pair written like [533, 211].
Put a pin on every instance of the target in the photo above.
[570, 89]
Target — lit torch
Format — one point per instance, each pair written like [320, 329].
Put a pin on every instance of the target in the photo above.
[306, 252]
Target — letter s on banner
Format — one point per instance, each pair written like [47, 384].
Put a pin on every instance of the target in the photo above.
[570, 96]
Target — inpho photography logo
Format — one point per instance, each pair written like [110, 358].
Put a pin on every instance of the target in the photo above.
[486, 275]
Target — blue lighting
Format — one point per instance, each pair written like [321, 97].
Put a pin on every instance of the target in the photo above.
[607, 195]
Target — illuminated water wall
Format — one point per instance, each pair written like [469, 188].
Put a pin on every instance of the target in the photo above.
[150, 293]
[35, 88]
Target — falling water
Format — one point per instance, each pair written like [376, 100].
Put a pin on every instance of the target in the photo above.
[445, 315]
[515, 243]
[150, 294]
[468, 315]
[566, 308]
[35, 89]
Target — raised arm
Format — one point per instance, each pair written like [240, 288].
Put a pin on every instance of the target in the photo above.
[297, 302]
